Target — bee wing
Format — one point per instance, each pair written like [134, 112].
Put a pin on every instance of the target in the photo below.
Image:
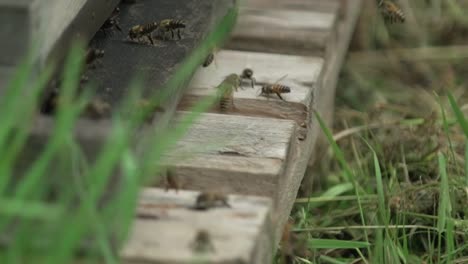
[280, 79]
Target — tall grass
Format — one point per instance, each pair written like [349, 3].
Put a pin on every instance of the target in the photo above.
[62, 203]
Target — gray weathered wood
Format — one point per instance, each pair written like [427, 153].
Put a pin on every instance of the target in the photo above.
[284, 31]
[165, 228]
[49, 24]
[325, 106]
[300, 74]
[238, 154]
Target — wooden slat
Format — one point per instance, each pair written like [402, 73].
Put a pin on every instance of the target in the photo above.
[165, 229]
[242, 155]
[49, 24]
[325, 105]
[284, 31]
[301, 74]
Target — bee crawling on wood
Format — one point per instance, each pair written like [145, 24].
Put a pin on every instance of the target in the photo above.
[112, 22]
[278, 89]
[172, 181]
[247, 74]
[92, 55]
[230, 84]
[97, 109]
[139, 31]
[171, 25]
[202, 242]
[207, 200]
[209, 59]
[391, 12]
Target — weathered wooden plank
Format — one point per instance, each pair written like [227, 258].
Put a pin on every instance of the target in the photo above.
[329, 6]
[166, 226]
[243, 155]
[51, 25]
[326, 104]
[300, 73]
[284, 31]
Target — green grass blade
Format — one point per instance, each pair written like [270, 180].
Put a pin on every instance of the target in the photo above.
[336, 244]
[459, 114]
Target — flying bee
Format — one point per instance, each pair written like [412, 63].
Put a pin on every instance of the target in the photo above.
[276, 88]
[171, 25]
[207, 200]
[230, 84]
[202, 242]
[247, 74]
[209, 59]
[138, 31]
[391, 12]
[112, 22]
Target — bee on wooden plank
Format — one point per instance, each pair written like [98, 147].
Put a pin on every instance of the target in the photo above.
[172, 181]
[139, 31]
[208, 200]
[275, 88]
[230, 84]
[202, 242]
[97, 109]
[92, 55]
[247, 74]
[391, 12]
[171, 25]
[209, 59]
[112, 22]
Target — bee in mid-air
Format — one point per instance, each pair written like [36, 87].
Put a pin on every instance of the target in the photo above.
[247, 74]
[230, 84]
[207, 200]
[171, 25]
[138, 31]
[391, 12]
[209, 59]
[202, 242]
[275, 88]
[112, 22]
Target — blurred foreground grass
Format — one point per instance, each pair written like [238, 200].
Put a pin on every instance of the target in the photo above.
[396, 180]
[62, 206]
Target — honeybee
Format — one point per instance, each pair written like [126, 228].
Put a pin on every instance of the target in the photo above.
[230, 84]
[202, 242]
[171, 25]
[207, 200]
[209, 59]
[112, 22]
[138, 31]
[391, 12]
[92, 55]
[172, 181]
[97, 109]
[278, 89]
[247, 74]
[148, 109]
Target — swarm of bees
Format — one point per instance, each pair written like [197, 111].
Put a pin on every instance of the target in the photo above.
[202, 242]
[391, 12]
[208, 200]
[163, 27]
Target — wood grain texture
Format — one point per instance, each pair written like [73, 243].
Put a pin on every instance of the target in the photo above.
[51, 25]
[300, 74]
[327, 94]
[284, 31]
[166, 226]
[238, 154]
